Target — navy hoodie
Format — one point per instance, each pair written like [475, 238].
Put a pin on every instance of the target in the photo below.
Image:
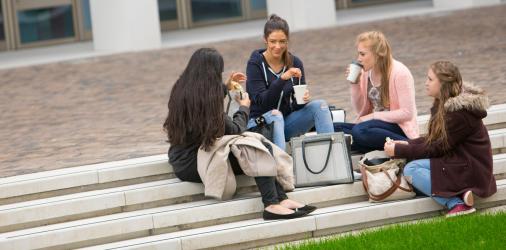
[265, 96]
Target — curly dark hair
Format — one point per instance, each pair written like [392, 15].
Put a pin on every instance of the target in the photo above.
[195, 105]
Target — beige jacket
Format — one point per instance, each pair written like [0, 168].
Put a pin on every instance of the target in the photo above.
[253, 157]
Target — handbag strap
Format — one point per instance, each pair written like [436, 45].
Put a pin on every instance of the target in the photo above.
[397, 182]
[395, 185]
[229, 101]
[326, 161]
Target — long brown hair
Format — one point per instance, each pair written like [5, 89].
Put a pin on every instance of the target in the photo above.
[380, 47]
[451, 85]
[276, 23]
[196, 102]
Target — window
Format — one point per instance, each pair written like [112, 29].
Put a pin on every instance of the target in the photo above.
[257, 5]
[210, 10]
[167, 10]
[45, 24]
[2, 23]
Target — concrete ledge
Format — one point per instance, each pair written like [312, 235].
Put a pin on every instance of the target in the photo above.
[115, 171]
[199, 214]
[111, 174]
[496, 115]
[160, 193]
[96, 174]
[102, 202]
[323, 220]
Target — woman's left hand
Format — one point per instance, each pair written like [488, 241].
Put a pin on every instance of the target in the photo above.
[366, 118]
[306, 97]
[389, 148]
[236, 77]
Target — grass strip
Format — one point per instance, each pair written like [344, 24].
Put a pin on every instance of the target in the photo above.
[476, 231]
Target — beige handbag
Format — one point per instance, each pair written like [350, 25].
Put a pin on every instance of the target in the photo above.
[384, 182]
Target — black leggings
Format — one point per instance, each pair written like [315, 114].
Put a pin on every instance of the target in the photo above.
[270, 189]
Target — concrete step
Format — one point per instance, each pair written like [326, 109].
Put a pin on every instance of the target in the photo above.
[496, 118]
[497, 139]
[140, 170]
[178, 217]
[129, 198]
[330, 220]
[120, 173]
[84, 178]
[102, 202]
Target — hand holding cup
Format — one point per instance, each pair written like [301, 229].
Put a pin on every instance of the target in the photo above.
[306, 96]
[301, 93]
[353, 72]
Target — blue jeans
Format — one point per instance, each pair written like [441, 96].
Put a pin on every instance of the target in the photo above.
[419, 170]
[370, 135]
[314, 114]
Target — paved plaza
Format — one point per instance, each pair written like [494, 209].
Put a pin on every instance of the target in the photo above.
[112, 107]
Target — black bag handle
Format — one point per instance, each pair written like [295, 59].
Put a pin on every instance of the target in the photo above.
[328, 154]
[229, 101]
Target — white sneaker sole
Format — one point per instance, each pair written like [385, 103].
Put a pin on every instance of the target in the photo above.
[468, 198]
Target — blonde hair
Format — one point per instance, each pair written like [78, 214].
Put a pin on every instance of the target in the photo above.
[451, 85]
[380, 47]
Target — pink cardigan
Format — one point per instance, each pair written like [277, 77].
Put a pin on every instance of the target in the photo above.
[402, 100]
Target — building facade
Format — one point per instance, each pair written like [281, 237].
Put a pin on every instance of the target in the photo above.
[36, 23]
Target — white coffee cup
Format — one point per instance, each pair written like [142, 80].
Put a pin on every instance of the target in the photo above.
[355, 68]
[300, 90]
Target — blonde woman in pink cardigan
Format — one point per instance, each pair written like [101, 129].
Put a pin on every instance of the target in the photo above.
[383, 96]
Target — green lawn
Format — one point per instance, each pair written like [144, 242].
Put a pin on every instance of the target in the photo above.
[477, 231]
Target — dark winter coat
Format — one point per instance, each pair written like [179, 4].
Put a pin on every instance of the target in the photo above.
[469, 163]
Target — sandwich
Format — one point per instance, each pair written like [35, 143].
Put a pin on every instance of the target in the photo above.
[237, 86]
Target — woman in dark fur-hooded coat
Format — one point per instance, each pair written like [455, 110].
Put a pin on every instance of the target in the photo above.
[456, 151]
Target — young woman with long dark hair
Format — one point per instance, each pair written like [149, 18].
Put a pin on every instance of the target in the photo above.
[454, 160]
[196, 119]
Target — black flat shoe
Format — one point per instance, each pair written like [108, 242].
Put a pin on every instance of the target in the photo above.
[307, 209]
[272, 216]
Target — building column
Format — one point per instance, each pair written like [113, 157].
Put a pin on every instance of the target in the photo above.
[303, 14]
[125, 25]
[453, 4]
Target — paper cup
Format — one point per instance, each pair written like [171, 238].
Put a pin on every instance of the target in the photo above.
[355, 69]
[299, 93]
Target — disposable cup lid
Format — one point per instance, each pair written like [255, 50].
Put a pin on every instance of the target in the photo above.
[357, 63]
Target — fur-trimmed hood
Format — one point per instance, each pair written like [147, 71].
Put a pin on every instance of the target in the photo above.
[472, 99]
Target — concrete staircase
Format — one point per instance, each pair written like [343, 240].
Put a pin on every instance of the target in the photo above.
[139, 204]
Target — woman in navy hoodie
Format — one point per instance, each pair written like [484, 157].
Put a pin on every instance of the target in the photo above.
[271, 74]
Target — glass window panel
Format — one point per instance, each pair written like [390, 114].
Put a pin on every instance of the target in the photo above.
[208, 10]
[167, 10]
[2, 34]
[45, 24]
[366, 1]
[85, 6]
[258, 4]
